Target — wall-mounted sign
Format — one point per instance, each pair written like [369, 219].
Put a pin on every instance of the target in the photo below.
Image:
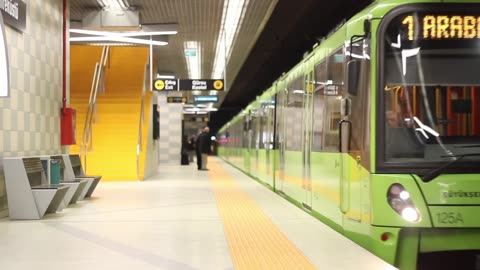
[4, 84]
[190, 52]
[203, 99]
[199, 119]
[169, 85]
[199, 85]
[14, 13]
[177, 100]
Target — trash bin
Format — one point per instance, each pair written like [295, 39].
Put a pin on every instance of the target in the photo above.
[54, 172]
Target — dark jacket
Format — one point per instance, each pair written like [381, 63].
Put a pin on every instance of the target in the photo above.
[203, 143]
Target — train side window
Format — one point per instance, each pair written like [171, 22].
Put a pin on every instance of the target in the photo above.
[332, 91]
[319, 106]
[336, 70]
[293, 115]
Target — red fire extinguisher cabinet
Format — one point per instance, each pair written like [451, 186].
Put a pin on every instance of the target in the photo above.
[68, 126]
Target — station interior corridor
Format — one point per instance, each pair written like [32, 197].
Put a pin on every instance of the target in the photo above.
[181, 219]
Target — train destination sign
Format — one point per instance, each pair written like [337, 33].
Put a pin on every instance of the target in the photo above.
[441, 26]
[177, 99]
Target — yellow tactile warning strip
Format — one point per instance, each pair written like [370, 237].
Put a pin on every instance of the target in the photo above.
[255, 241]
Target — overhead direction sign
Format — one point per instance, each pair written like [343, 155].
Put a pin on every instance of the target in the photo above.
[188, 85]
[177, 99]
[168, 85]
[199, 85]
[204, 99]
[199, 119]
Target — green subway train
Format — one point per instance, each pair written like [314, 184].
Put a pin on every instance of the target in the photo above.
[376, 133]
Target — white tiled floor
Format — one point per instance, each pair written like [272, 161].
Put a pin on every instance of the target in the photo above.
[167, 222]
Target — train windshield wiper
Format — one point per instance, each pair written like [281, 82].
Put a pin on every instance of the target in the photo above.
[436, 172]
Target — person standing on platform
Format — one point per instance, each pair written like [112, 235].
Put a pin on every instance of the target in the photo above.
[203, 146]
[184, 151]
[191, 148]
[198, 152]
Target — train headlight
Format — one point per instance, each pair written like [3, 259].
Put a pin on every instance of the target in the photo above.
[400, 201]
[410, 214]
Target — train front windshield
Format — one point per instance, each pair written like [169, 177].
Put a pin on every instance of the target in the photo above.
[430, 90]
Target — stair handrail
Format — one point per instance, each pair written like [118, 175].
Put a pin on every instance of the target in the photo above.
[83, 148]
[98, 78]
[146, 80]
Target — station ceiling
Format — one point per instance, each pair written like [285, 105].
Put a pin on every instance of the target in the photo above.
[272, 38]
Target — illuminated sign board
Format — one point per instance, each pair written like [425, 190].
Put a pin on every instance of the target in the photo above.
[201, 85]
[441, 26]
[14, 13]
[168, 85]
[177, 100]
[203, 99]
[199, 119]
[188, 85]
[4, 84]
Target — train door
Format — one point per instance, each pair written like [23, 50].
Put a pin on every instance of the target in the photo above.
[350, 192]
[256, 119]
[248, 142]
[281, 142]
[268, 110]
[354, 139]
[347, 165]
[307, 140]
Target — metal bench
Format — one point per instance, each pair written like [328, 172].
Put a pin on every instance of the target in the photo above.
[78, 171]
[77, 187]
[28, 193]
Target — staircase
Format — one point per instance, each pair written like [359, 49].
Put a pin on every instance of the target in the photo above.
[113, 150]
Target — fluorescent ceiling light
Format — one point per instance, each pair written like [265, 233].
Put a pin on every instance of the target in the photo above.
[119, 39]
[232, 18]
[117, 44]
[151, 34]
[194, 109]
[114, 4]
[186, 112]
[192, 56]
[165, 76]
[122, 34]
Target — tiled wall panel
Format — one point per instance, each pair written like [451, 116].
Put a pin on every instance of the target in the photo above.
[30, 116]
[170, 131]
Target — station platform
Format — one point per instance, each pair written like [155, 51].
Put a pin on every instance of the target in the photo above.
[181, 219]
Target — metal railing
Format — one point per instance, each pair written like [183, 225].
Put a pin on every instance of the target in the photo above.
[146, 79]
[98, 81]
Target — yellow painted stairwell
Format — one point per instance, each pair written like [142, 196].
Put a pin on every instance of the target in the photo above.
[115, 129]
